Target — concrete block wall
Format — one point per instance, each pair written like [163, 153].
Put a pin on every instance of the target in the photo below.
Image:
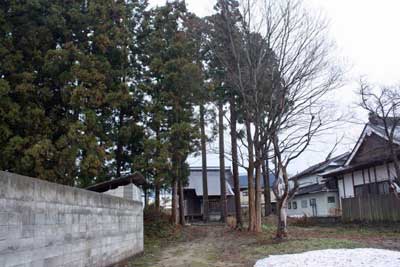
[47, 224]
[129, 191]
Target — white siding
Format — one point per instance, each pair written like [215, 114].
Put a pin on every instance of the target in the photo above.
[323, 207]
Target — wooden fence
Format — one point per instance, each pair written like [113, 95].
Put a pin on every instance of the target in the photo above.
[372, 208]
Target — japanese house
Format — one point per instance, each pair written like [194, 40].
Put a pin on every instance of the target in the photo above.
[369, 168]
[317, 196]
[244, 194]
[193, 193]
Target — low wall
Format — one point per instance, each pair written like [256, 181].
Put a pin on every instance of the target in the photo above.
[46, 224]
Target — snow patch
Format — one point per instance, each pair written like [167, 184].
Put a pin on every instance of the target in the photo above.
[361, 257]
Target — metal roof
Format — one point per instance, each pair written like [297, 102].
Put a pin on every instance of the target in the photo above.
[135, 178]
[213, 182]
[244, 183]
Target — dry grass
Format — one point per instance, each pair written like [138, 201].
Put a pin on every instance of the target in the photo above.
[215, 245]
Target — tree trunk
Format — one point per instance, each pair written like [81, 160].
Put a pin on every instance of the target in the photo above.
[267, 188]
[250, 177]
[157, 196]
[257, 164]
[281, 230]
[204, 164]
[118, 152]
[283, 198]
[224, 211]
[257, 227]
[146, 198]
[174, 215]
[181, 204]
[235, 166]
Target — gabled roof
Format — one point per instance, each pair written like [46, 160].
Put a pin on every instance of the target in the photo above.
[323, 166]
[213, 182]
[244, 183]
[373, 126]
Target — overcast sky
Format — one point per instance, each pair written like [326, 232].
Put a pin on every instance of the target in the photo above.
[367, 36]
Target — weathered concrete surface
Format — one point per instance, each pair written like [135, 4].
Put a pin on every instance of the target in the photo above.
[46, 224]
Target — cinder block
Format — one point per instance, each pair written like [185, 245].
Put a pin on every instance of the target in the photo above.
[20, 187]
[53, 261]
[14, 232]
[40, 218]
[28, 231]
[45, 191]
[3, 218]
[37, 263]
[70, 227]
[28, 217]
[3, 232]
[60, 193]
[17, 258]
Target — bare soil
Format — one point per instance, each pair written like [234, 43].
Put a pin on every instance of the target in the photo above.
[218, 245]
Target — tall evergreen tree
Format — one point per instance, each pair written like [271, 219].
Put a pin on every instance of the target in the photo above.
[64, 64]
[175, 78]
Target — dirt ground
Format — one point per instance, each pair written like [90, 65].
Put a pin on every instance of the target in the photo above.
[218, 245]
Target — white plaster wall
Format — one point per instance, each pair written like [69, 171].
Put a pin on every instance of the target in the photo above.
[392, 170]
[323, 207]
[358, 178]
[341, 189]
[348, 183]
[381, 173]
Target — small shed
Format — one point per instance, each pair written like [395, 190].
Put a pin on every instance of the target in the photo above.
[193, 193]
[127, 187]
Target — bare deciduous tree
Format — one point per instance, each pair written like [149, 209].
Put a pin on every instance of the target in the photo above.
[383, 105]
[298, 110]
[278, 58]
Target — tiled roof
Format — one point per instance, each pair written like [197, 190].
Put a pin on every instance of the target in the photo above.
[322, 166]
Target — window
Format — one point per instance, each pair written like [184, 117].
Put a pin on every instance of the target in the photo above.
[373, 188]
[294, 204]
[383, 188]
[331, 199]
[361, 190]
[304, 204]
[289, 205]
[313, 202]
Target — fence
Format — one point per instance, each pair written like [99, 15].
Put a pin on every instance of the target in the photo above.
[47, 224]
[371, 208]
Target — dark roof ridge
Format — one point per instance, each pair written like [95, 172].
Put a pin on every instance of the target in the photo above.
[313, 168]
